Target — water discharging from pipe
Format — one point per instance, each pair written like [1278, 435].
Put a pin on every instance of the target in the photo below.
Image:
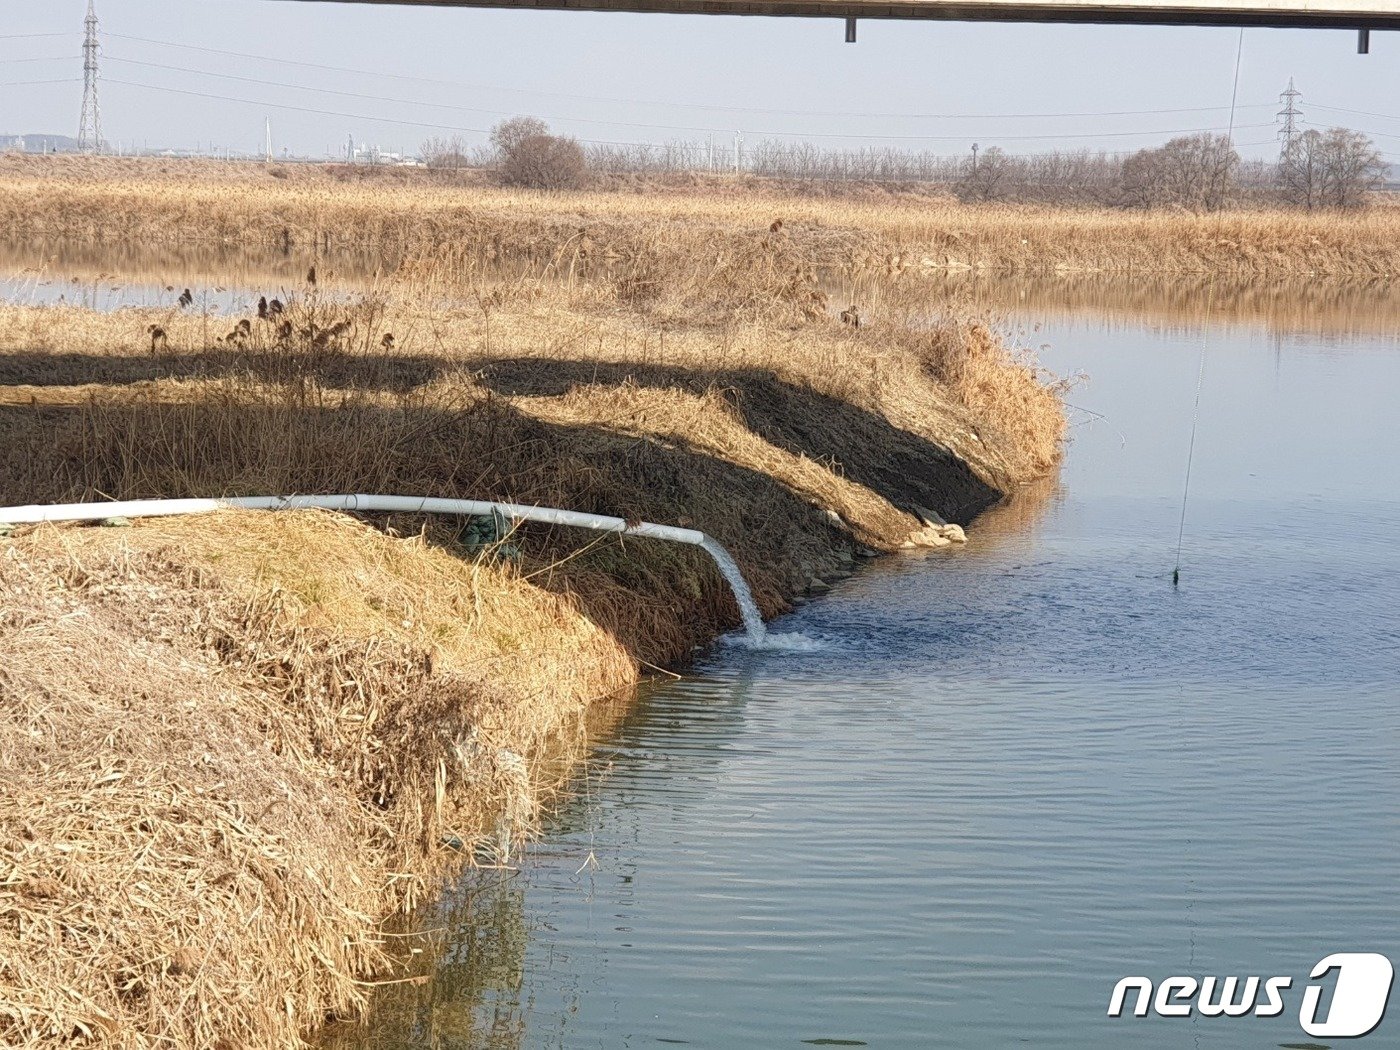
[756, 633]
[748, 608]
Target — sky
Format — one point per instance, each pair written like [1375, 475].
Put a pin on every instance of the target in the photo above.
[404, 74]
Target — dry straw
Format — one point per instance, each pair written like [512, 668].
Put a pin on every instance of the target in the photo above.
[217, 787]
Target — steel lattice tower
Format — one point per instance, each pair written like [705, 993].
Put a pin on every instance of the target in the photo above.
[1289, 114]
[90, 123]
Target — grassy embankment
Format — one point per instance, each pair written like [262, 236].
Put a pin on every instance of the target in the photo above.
[390, 209]
[234, 746]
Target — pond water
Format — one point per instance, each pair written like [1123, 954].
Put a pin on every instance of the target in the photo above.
[224, 279]
[1007, 775]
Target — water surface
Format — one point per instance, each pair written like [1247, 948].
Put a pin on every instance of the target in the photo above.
[1009, 774]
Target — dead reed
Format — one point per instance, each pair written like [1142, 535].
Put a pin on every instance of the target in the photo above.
[155, 202]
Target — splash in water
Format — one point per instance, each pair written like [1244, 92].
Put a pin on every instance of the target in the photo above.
[756, 635]
[789, 642]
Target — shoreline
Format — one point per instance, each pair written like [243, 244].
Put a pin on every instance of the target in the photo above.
[296, 726]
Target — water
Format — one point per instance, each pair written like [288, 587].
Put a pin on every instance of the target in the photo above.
[109, 276]
[756, 635]
[1001, 777]
[755, 632]
[229, 278]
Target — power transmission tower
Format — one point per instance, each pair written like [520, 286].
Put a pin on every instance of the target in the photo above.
[90, 123]
[1291, 115]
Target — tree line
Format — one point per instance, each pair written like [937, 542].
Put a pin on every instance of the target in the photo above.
[1333, 168]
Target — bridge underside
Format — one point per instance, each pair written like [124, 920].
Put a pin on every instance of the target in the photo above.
[1316, 14]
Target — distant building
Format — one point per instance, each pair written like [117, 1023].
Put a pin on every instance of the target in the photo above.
[366, 154]
[39, 143]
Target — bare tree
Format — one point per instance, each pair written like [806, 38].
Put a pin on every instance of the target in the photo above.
[1201, 172]
[639, 157]
[991, 177]
[1075, 176]
[1192, 171]
[507, 136]
[1335, 168]
[452, 153]
[534, 158]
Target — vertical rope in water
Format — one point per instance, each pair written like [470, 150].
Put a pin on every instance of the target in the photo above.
[1191, 448]
[1205, 335]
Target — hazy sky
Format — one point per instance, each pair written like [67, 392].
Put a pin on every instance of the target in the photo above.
[654, 78]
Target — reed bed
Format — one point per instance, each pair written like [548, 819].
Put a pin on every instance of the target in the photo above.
[538, 402]
[392, 212]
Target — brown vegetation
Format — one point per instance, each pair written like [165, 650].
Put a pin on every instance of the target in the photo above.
[230, 745]
[1333, 169]
[1196, 172]
[392, 211]
[1184, 304]
[1199, 171]
[529, 156]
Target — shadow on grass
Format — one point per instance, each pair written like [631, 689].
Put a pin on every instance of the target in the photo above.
[398, 373]
[907, 469]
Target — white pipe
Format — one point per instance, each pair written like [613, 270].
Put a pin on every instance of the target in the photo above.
[146, 508]
[154, 508]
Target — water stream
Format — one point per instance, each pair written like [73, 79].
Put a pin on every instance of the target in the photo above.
[754, 631]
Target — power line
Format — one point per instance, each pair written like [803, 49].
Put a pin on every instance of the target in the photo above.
[676, 105]
[301, 109]
[448, 127]
[1357, 112]
[775, 134]
[403, 101]
[46, 58]
[605, 123]
[29, 36]
[1366, 131]
[31, 83]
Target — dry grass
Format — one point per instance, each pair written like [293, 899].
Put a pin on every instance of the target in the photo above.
[394, 212]
[757, 307]
[230, 744]
[234, 746]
